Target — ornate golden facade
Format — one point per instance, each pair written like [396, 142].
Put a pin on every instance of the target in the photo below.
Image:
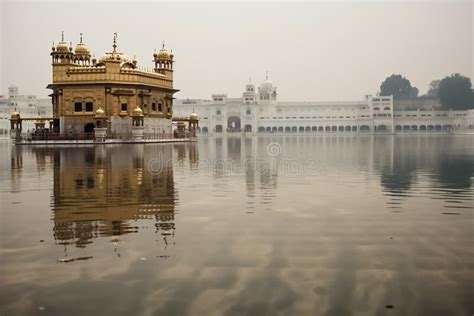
[113, 86]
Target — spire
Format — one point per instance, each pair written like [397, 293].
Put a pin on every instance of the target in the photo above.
[266, 75]
[163, 47]
[115, 42]
[62, 36]
[80, 41]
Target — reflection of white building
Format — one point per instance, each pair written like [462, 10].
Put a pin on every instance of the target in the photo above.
[26, 105]
[259, 111]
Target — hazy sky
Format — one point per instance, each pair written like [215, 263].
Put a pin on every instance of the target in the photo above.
[313, 51]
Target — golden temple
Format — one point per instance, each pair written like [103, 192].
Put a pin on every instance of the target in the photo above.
[110, 98]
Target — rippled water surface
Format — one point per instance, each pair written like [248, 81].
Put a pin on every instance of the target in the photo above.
[287, 225]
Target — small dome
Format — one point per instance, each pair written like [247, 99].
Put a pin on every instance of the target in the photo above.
[266, 86]
[163, 54]
[62, 47]
[81, 49]
[100, 112]
[137, 111]
[193, 117]
[15, 115]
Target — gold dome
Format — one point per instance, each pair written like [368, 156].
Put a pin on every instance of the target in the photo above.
[137, 111]
[62, 47]
[100, 112]
[81, 48]
[15, 115]
[193, 117]
[163, 54]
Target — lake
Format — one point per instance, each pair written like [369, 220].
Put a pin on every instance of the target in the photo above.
[267, 225]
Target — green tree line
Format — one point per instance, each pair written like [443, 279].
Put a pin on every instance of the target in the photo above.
[454, 91]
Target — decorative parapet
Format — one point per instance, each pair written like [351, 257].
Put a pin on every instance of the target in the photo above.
[99, 75]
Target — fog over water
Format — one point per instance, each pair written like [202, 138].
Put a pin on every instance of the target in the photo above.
[313, 51]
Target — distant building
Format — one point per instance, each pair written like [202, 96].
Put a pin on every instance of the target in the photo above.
[27, 105]
[259, 111]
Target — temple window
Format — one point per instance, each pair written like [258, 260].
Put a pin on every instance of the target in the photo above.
[159, 107]
[153, 106]
[89, 106]
[77, 106]
[124, 107]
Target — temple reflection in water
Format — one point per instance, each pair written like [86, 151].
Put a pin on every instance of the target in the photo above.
[106, 191]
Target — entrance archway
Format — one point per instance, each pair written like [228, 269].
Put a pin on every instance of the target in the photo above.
[233, 124]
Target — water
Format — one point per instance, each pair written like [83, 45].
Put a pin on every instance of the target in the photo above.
[286, 225]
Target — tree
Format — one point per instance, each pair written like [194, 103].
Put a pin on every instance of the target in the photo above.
[455, 92]
[398, 86]
[434, 88]
[414, 92]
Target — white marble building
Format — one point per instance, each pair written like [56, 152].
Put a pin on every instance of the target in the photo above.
[258, 111]
[26, 105]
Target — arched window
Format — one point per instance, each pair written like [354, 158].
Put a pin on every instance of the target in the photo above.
[123, 104]
[77, 105]
[387, 108]
[249, 111]
[89, 105]
[218, 112]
